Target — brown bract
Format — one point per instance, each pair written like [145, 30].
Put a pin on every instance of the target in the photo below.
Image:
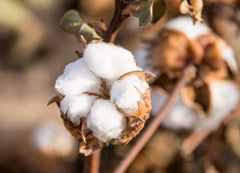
[88, 143]
[172, 50]
[193, 8]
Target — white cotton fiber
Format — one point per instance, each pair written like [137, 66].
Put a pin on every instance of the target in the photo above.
[108, 61]
[76, 106]
[52, 139]
[224, 96]
[179, 116]
[105, 121]
[228, 56]
[185, 24]
[126, 92]
[142, 58]
[76, 79]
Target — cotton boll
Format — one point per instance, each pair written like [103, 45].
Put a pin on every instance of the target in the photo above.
[185, 24]
[157, 99]
[141, 55]
[127, 92]
[76, 106]
[224, 98]
[108, 61]
[105, 121]
[179, 116]
[51, 139]
[76, 79]
[228, 56]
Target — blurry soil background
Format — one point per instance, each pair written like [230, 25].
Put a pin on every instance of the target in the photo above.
[33, 52]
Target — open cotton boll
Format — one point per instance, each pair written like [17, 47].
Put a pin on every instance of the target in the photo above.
[76, 106]
[105, 121]
[178, 116]
[126, 92]
[185, 24]
[142, 59]
[51, 139]
[76, 79]
[224, 98]
[108, 61]
[228, 56]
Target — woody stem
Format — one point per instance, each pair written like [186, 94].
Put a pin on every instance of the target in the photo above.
[91, 164]
[117, 20]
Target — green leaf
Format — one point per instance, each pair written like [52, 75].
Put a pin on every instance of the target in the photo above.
[73, 23]
[88, 32]
[144, 12]
[159, 8]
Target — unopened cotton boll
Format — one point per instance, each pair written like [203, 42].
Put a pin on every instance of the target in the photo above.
[185, 24]
[127, 92]
[108, 61]
[76, 106]
[105, 121]
[76, 78]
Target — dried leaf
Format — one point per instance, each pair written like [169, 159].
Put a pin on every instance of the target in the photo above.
[144, 12]
[73, 23]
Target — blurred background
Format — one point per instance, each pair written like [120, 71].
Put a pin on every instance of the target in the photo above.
[34, 51]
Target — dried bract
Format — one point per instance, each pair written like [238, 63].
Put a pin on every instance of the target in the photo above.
[193, 8]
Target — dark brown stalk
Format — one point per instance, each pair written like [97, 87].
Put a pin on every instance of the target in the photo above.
[91, 163]
[117, 20]
[138, 146]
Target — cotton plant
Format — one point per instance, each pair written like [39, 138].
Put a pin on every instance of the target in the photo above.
[212, 93]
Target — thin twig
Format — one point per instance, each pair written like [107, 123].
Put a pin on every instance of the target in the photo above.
[117, 20]
[193, 141]
[91, 163]
[198, 136]
[137, 147]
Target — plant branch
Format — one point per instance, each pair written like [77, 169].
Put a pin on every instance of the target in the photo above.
[91, 163]
[193, 141]
[137, 147]
[117, 20]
